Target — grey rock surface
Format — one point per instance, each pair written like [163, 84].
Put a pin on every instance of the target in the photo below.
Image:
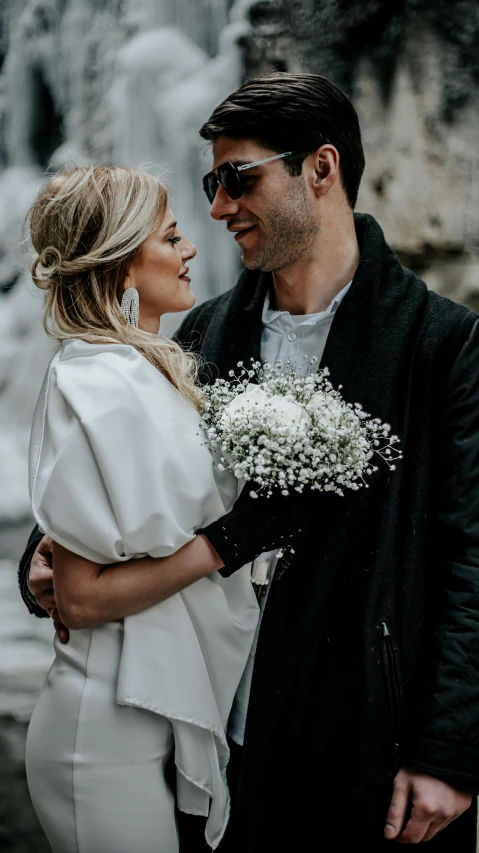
[26, 649]
[412, 71]
[20, 831]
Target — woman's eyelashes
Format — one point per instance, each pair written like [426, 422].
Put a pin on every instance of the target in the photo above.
[174, 240]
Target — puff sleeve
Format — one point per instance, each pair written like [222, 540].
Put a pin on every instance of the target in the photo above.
[118, 464]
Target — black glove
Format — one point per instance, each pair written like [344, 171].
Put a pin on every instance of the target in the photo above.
[260, 524]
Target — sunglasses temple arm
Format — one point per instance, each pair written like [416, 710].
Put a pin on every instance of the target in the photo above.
[261, 162]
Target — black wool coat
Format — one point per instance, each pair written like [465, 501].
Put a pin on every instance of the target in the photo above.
[368, 657]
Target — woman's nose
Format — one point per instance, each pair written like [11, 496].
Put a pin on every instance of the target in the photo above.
[189, 251]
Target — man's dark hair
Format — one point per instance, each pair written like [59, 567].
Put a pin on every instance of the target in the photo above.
[287, 112]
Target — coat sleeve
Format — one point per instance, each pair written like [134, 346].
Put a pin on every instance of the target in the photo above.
[444, 738]
[254, 526]
[190, 334]
[183, 332]
[23, 571]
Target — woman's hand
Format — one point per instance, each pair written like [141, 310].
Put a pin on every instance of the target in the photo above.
[40, 581]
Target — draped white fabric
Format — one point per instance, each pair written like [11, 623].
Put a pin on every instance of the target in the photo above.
[118, 469]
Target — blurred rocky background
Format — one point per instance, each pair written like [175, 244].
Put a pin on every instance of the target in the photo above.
[131, 81]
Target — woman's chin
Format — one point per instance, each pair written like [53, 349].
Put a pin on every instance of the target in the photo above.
[184, 304]
[188, 301]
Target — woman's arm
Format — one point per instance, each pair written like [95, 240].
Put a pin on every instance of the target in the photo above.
[88, 594]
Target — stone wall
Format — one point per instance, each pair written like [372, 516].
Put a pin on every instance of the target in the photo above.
[412, 70]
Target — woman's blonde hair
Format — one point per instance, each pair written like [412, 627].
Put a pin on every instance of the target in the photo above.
[87, 227]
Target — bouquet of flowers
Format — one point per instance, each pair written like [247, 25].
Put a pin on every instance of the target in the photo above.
[290, 432]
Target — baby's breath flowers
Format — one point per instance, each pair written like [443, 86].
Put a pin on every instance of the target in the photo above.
[289, 431]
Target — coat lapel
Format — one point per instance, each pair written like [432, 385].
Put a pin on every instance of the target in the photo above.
[375, 328]
[365, 350]
[234, 332]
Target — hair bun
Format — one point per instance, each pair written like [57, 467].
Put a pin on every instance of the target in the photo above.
[50, 261]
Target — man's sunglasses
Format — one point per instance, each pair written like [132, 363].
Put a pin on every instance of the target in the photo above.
[228, 175]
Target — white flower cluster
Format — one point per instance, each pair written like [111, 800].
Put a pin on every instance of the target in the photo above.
[290, 432]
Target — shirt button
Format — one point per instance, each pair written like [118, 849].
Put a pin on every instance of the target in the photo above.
[291, 336]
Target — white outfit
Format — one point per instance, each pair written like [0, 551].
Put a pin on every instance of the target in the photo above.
[295, 338]
[119, 468]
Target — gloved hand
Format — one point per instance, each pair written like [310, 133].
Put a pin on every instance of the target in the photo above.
[261, 524]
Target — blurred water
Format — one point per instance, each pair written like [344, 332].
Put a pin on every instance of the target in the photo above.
[26, 650]
[26, 653]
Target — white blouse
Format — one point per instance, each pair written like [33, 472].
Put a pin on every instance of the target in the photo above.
[118, 469]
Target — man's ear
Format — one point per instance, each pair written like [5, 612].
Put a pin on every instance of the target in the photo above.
[326, 168]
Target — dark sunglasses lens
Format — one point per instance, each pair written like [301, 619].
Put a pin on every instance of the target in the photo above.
[210, 186]
[229, 179]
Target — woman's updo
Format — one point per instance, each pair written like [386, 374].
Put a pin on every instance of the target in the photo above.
[87, 227]
[46, 265]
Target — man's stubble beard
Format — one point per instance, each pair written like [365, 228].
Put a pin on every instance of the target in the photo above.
[289, 232]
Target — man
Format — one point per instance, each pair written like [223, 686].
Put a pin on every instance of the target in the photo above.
[363, 703]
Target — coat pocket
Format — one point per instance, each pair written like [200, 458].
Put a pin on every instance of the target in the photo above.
[392, 679]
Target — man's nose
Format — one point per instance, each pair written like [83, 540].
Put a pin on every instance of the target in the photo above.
[223, 205]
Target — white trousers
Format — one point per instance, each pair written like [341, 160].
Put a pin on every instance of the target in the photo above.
[96, 770]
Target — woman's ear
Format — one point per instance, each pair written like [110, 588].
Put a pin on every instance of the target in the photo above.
[129, 281]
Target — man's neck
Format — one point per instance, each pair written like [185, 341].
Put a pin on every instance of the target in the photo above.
[310, 285]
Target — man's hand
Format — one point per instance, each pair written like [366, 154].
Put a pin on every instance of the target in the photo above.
[431, 804]
[40, 581]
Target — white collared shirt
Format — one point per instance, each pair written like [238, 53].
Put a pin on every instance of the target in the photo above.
[295, 338]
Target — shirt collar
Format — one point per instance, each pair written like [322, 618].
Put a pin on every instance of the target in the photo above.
[270, 315]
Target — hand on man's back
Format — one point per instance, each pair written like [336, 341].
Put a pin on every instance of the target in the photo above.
[40, 581]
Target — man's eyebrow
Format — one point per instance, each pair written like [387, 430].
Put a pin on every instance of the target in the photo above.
[171, 225]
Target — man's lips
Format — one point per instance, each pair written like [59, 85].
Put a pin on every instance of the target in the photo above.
[240, 232]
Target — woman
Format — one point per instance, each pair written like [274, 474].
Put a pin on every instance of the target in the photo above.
[118, 469]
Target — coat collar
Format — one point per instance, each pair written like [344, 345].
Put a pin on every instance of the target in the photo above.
[377, 315]
[234, 333]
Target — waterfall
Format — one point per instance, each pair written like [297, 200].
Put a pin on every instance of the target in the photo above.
[24, 347]
[180, 88]
[124, 81]
[201, 20]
